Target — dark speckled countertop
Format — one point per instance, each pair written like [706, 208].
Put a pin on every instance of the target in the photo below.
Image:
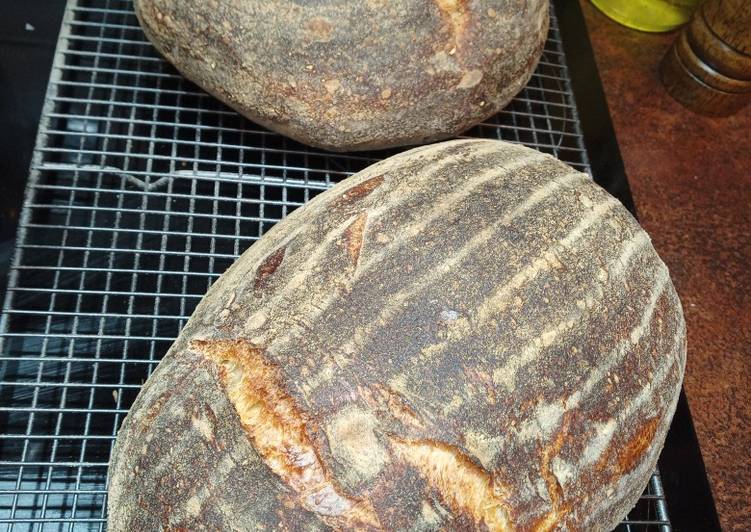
[691, 181]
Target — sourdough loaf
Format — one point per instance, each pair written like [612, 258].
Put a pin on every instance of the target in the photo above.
[346, 75]
[468, 335]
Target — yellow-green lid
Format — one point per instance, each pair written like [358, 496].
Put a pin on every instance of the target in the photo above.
[648, 15]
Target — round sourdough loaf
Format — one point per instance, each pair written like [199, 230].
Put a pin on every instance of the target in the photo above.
[354, 74]
[468, 335]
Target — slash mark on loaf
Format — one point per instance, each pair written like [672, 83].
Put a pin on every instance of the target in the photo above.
[277, 429]
[464, 486]
[360, 191]
[353, 236]
[555, 491]
[386, 398]
[633, 452]
[400, 409]
[268, 267]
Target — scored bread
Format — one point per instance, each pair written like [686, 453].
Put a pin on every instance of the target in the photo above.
[347, 75]
[468, 335]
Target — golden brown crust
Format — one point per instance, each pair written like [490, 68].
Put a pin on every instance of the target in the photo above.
[278, 431]
[466, 488]
[354, 235]
[507, 325]
[348, 75]
[631, 453]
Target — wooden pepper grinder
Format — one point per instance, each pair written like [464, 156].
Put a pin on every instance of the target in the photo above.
[708, 68]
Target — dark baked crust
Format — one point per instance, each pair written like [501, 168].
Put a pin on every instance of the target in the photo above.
[346, 75]
[467, 335]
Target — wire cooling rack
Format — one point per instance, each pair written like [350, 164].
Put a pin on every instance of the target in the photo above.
[143, 190]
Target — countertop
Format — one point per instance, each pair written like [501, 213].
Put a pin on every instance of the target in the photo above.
[690, 177]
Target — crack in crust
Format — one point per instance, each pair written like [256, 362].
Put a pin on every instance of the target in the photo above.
[278, 430]
[464, 486]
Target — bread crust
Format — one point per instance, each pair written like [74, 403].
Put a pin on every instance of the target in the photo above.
[354, 75]
[468, 335]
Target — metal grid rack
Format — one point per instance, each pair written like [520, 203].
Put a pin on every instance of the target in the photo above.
[143, 190]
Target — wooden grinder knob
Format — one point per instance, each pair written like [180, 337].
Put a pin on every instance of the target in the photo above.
[708, 68]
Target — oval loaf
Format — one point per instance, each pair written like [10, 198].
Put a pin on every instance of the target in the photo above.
[468, 335]
[347, 75]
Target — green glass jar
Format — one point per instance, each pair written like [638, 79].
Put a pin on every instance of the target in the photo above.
[648, 15]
